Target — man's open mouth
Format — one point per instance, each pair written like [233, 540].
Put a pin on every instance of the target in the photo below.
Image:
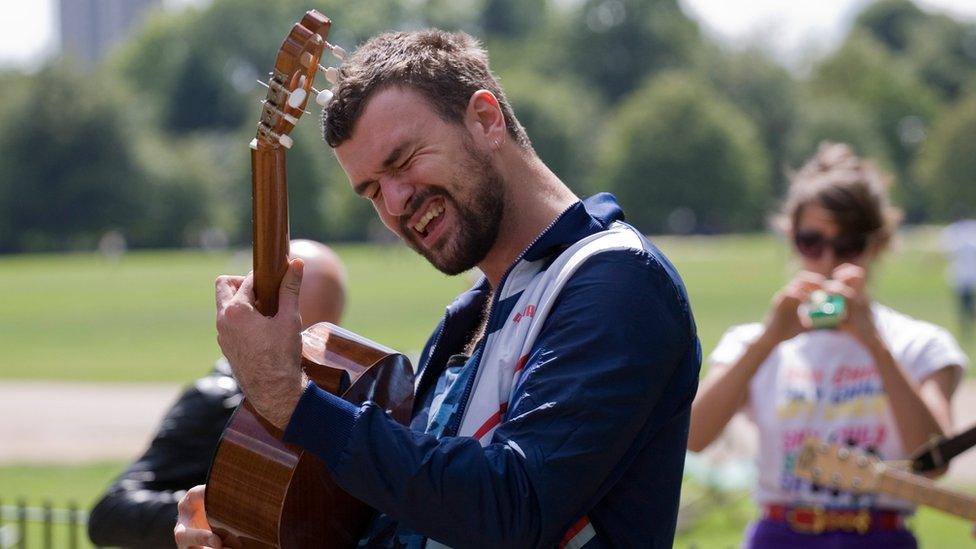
[434, 211]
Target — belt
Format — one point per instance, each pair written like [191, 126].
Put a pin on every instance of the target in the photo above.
[817, 520]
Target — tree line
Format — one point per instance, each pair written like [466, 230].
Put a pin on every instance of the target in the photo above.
[622, 95]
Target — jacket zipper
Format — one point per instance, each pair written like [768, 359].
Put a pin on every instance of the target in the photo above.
[455, 424]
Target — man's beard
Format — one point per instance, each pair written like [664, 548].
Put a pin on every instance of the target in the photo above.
[478, 218]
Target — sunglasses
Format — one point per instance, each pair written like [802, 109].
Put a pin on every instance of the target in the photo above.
[812, 244]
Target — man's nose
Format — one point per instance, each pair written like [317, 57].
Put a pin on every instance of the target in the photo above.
[396, 195]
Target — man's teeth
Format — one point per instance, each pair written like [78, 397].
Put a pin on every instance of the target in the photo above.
[433, 212]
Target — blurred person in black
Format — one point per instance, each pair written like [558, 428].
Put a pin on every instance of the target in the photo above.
[139, 508]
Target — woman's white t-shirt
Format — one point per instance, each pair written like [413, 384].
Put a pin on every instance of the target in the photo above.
[823, 383]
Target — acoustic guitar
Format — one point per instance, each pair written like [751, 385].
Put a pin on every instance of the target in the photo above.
[850, 470]
[261, 492]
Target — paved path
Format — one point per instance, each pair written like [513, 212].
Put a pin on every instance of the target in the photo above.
[61, 423]
[57, 422]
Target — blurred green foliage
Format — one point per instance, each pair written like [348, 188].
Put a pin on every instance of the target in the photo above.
[621, 95]
[676, 129]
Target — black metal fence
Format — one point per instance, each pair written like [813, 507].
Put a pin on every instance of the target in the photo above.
[26, 527]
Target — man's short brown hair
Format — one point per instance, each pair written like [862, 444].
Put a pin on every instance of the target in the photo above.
[446, 68]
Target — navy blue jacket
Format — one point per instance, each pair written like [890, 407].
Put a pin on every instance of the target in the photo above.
[601, 414]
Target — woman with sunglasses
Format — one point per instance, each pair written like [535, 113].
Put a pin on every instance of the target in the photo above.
[879, 380]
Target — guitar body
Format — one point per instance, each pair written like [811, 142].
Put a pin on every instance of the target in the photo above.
[263, 493]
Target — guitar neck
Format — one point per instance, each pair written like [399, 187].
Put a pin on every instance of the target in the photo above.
[923, 491]
[269, 196]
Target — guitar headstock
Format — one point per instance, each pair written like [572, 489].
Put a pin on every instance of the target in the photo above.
[290, 83]
[838, 467]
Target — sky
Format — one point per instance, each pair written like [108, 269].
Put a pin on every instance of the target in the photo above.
[794, 31]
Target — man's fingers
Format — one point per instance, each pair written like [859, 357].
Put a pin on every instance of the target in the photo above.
[196, 537]
[225, 288]
[192, 515]
[245, 292]
[291, 285]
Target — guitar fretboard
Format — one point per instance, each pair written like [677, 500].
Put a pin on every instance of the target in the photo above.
[922, 490]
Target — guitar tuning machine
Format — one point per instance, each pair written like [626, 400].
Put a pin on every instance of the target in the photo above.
[284, 140]
[337, 51]
[275, 110]
[297, 97]
[323, 97]
[331, 74]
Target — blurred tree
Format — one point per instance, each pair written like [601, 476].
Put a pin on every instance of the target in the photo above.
[680, 158]
[834, 119]
[891, 22]
[941, 49]
[901, 107]
[947, 164]
[561, 117]
[188, 178]
[199, 79]
[615, 44]
[513, 18]
[67, 164]
[765, 92]
[944, 54]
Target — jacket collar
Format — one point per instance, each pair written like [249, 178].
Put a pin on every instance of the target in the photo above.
[580, 220]
[462, 317]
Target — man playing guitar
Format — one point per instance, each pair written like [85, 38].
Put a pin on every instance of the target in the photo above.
[552, 401]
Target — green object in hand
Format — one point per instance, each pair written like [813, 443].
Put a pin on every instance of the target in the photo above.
[826, 311]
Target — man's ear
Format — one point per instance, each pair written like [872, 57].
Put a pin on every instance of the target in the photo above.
[485, 119]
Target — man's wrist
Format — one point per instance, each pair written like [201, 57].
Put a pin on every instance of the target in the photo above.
[286, 403]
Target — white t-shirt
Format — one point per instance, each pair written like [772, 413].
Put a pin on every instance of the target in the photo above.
[823, 383]
[959, 243]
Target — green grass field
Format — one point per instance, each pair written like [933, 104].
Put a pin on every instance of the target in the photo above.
[149, 317]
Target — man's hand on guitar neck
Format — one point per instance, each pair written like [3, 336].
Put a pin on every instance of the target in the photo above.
[192, 529]
[264, 352]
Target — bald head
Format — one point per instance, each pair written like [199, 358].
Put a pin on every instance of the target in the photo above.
[323, 293]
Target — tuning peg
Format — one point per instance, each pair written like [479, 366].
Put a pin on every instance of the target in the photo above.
[283, 139]
[337, 51]
[306, 59]
[288, 118]
[322, 97]
[297, 98]
[331, 74]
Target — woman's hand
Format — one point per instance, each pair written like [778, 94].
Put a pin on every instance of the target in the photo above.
[192, 529]
[783, 321]
[850, 281]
